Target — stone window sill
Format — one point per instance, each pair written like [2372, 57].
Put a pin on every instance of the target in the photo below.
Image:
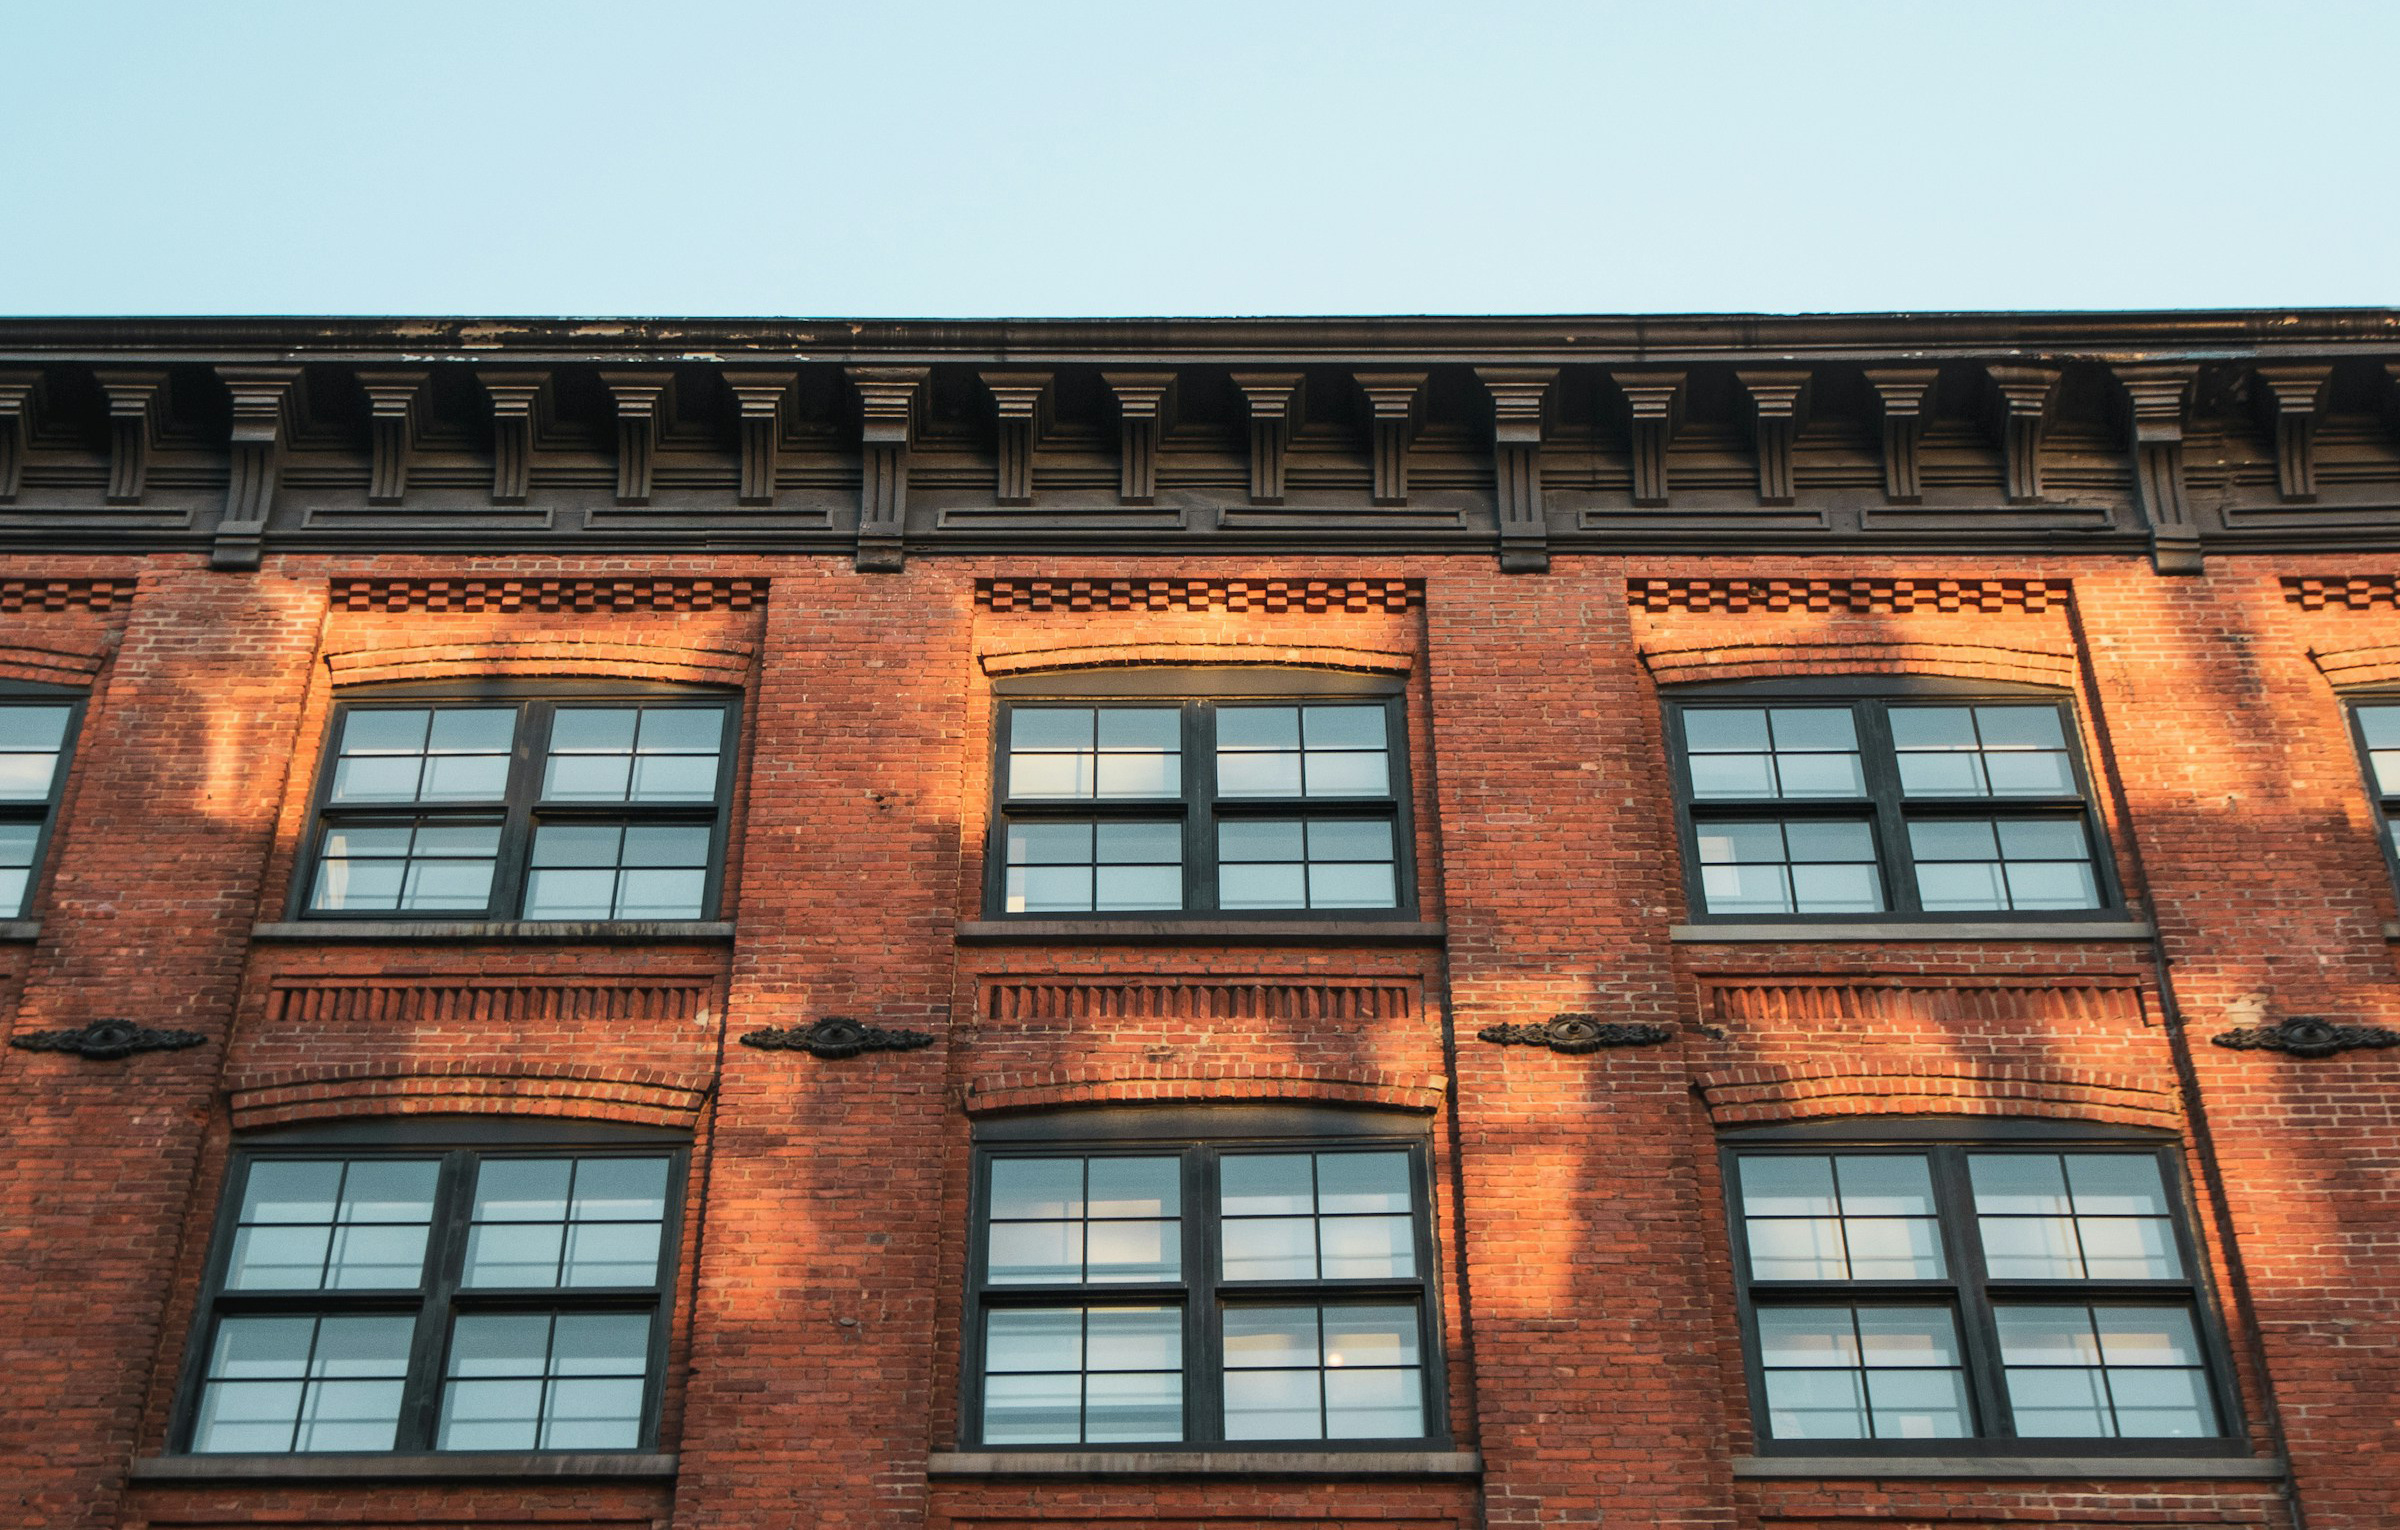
[20, 929]
[1887, 930]
[1205, 1463]
[556, 932]
[1201, 932]
[448, 1466]
[2018, 1468]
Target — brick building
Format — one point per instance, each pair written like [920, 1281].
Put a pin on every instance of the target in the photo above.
[1402, 923]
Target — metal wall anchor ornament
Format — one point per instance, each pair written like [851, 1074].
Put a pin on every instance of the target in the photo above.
[1573, 1034]
[2308, 1036]
[107, 1040]
[836, 1036]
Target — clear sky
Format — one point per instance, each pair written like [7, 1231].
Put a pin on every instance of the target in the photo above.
[712, 157]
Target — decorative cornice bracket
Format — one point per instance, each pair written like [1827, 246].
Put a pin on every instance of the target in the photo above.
[1277, 402]
[20, 402]
[1145, 413]
[520, 417]
[1654, 410]
[645, 406]
[137, 411]
[393, 402]
[1778, 410]
[758, 404]
[1022, 402]
[265, 402]
[2292, 398]
[2025, 398]
[1520, 407]
[1902, 394]
[2156, 397]
[889, 400]
[1395, 404]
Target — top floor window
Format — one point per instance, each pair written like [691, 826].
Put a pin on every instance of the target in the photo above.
[596, 806]
[1202, 803]
[1801, 801]
[37, 734]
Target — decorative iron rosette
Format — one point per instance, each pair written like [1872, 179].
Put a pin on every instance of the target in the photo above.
[1576, 1033]
[2308, 1036]
[836, 1036]
[107, 1040]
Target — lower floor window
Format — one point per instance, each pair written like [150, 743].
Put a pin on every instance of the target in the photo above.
[504, 1294]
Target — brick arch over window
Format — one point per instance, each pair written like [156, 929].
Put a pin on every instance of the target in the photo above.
[591, 1094]
[2377, 664]
[1023, 661]
[1806, 1091]
[52, 663]
[1721, 662]
[1188, 1083]
[662, 656]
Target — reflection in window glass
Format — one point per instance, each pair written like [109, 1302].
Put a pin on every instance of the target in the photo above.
[1346, 1372]
[1082, 1375]
[332, 1224]
[1982, 751]
[566, 1222]
[1796, 866]
[424, 754]
[423, 866]
[1773, 752]
[1302, 751]
[1306, 863]
[545, 1381]
[1084, 866]
[1316, 1216]
[31, 740]
[2003, 863]
[303, 1383]
[617, 871]
[633, 754]
[1084, 1221]
[2074, 1216]
[2078, 1371]
[1863, 1372]
[1095, 752]
[1845, 1216]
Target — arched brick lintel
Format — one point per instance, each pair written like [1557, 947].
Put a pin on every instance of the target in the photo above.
[1759, 661]
[327, 1098]
[1171, 1085]
[1759, 1095]
[1197, 655]
[2378, 664]
[724, 662]
[47, 664]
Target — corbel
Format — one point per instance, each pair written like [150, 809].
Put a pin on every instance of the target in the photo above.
[645, 403]
[1520, 401]
[20, 399]
[759, 398]
[2025, 398]
[137, 409]
[1902, 394]
[1778, 409]
[889, 399]
[2292, 398]
[2156, 397]
[1395, 402]
[1654, 411]
[1145, 412]
[1276, 401]
[393, 402]
[1022, 401]
[520, 415]
[265, 400]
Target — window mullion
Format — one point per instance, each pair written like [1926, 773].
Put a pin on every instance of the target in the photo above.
[1979, 1330]
[516, 824]
[1204, 1381]
[1877, 760]
[1199, 816]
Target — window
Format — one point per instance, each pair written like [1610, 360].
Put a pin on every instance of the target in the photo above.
[2037, 1286]
[498, 1295]
[1160, 804]
[1268, 1284]
[37, 734]
[1920, 803]
[573, 807]
[2375, 726]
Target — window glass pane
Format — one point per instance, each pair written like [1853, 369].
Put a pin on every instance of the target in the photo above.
[442, 865]
[1258, 728]
[566, 1222]
[331, 1224]
[593, 730]
[1067, 1374]
[1121, 752]
[1258, 775]
[1135, 1187]
[1045, 1229]
[1849, 1216]
[1037, 1188]
[2380, 725]
[1362, 1182]
[1863, 1372]
[1269, 1248]
[30, 740]
[1267, 1184]
[565, 1381]
[281, 1384]
[1800, 866]
[422, 754]
[1367, 1248]
[2094, 1372]
[1082, 866]
[1975, 863]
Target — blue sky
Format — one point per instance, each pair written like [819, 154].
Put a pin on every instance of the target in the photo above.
[711, 157]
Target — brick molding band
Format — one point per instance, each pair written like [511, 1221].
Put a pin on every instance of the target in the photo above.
[572, 595]
[1270, 595]
[1968, 661]
[1867, 597]
[1900, 1087]
[1199, 1082]
[725, 662]
[587, 1094]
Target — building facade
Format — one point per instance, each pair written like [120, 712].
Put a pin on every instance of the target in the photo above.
[1204, 924]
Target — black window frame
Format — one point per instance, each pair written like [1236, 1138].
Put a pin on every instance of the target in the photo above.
[521, 809]
[1200, 1136]
[45, 813]
[438, 1302]
[2385, 805]
[1882, 807]
[1198, 694]
[1969, 1293]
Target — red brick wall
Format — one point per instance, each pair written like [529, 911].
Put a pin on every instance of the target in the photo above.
[1588, 1306]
